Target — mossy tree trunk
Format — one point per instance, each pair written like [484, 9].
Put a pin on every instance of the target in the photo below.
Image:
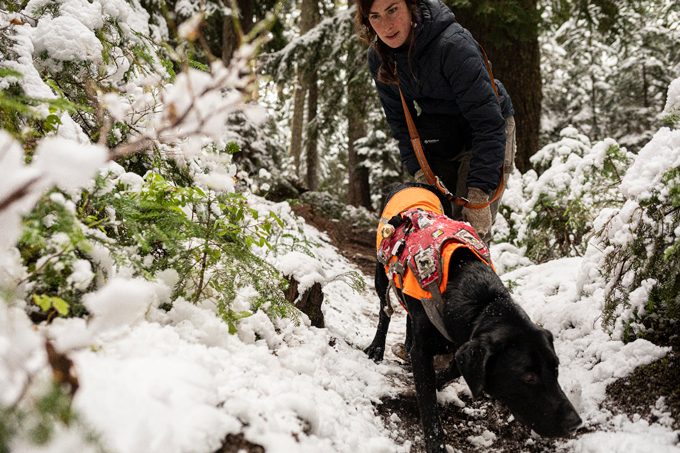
[509, 34]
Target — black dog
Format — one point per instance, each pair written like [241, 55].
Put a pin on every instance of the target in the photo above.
[498, 349]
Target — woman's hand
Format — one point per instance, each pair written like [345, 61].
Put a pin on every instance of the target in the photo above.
[420, 177]
[480, 219]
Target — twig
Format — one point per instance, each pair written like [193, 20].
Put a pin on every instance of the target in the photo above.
[35, 272]
[18, 194]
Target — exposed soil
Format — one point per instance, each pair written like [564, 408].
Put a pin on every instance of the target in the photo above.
[639, 393]
[482, 423]
[355, 244]
[237, 443]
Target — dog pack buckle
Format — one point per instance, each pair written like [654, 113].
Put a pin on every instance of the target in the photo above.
[398, 248]
[442, 187]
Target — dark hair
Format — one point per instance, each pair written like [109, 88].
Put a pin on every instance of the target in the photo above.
[367, 34]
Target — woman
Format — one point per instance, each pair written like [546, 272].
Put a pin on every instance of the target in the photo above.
[462, 123]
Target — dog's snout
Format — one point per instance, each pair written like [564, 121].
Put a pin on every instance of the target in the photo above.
[572, 422]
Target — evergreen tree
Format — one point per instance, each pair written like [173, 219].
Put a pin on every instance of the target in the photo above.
[346, 99]
[508, 32]
[607, 66]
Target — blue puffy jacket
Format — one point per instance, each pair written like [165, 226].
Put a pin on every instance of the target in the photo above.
[447, 75]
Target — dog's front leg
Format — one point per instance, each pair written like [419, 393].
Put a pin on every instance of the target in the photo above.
[376, 350]
[422, 356]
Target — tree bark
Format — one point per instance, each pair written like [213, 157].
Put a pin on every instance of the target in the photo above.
[358, 188]
[516, 63]
[308, 19]
[311, 148]
[296, 124]
[230, 38]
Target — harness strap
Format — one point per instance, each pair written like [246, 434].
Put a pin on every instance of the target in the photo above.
[396, 270]
[435, 309]
[389, 310]
[429, 174]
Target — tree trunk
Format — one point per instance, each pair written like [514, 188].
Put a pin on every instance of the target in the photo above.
[311, 148]
[516, 63]
[296, 123]
[230, 38]
[308, 18]
[358, 189]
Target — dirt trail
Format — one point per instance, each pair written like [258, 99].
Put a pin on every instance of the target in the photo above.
[483, 423]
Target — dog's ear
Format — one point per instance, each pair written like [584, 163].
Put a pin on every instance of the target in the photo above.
[471, 359]
[549, 337]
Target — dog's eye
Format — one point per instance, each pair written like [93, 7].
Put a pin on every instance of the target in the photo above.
[530, 378]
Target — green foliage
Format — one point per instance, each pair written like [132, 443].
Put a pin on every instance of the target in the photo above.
[636, 251]
[47, 303]
[672, 119]
[204, 236]
[329, 207]
[354, 279]
[566, 199]
[207, 238]
[199, 65]
[18, 113]
[37, 418]
[651, 257]
[54, 244]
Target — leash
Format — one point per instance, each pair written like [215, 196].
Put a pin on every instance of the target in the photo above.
[422, 160]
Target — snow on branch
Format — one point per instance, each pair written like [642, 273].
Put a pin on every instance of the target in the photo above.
[327, 42]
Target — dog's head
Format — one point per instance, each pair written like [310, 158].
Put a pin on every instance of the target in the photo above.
[519, 367]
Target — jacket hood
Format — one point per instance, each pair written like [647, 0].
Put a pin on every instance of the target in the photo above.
[435, 17]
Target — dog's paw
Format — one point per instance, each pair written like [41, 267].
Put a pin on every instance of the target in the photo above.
[445, 377]
[375, 353]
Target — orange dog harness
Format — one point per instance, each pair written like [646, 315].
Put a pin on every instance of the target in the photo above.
[416, 254]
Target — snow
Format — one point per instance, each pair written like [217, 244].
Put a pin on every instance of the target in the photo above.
[14, 175]
[178, 381]
[66, 39]
[673, 100]
[67, 164]
[658, 156]
[486, 439]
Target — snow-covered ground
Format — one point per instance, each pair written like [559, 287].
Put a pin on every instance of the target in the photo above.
[178, 381]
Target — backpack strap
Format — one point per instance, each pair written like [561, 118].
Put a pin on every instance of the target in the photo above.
[420, 154]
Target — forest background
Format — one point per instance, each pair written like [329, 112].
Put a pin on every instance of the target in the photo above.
[136, 135]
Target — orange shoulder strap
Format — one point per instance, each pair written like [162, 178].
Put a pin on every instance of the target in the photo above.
[422, 160]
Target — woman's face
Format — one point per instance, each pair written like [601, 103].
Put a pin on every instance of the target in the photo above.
[391, 20]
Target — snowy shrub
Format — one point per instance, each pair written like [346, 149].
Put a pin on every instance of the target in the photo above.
[54, 246]
[103, 71]
[329, 207]
[149, 225]
[74, 73]
[672, 109]
[578, 181]
[634, 258]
